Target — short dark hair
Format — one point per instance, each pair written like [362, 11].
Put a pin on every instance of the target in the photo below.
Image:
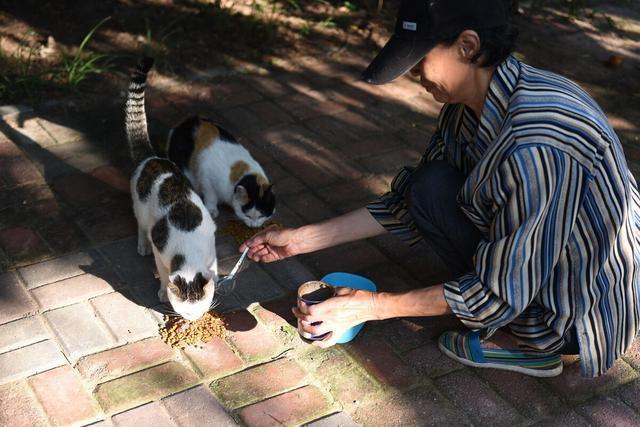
[496, 44]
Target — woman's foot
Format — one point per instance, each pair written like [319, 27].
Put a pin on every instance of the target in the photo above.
[501, 352]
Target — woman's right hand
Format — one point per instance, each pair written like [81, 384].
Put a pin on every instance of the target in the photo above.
[273, 244]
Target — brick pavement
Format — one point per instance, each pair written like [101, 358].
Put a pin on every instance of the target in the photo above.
[78, 329]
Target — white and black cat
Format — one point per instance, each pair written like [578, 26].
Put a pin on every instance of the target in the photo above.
[173, 223]
[221, 170]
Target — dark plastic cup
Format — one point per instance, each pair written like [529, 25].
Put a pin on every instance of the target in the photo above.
[311, 293]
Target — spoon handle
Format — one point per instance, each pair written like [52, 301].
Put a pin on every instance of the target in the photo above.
[238, 264]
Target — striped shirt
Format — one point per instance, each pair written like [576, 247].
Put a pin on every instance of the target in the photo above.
[549, 188]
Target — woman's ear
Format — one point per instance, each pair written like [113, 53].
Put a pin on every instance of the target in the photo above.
[468, 43]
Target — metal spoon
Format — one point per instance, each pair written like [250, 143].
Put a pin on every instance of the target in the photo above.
[230, 278]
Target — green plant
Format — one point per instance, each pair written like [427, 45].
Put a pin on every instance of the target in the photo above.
[79, 66]
[327, 23]
[156, 43]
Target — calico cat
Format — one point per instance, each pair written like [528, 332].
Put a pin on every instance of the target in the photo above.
[221, 170]
[173, 223]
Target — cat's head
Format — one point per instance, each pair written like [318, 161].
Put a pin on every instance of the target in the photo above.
[189, 295]
[253, 200]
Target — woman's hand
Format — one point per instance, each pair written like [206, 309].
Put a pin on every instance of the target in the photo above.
[348, 308]
[273, 244]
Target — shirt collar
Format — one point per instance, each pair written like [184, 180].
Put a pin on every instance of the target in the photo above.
[501, 87]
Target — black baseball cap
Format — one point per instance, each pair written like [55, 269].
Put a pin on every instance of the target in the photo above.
[422, 24]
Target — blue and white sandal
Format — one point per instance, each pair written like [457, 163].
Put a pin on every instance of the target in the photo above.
[465, 347]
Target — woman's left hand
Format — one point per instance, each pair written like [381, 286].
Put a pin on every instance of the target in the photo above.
[348, 308]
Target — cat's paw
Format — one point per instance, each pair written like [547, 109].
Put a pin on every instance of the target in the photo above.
[144, 248]
[162, 295]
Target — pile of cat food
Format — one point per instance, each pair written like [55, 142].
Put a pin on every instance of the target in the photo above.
[239, 231]
[179, 332]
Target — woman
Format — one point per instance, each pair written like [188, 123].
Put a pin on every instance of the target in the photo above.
[523, 190]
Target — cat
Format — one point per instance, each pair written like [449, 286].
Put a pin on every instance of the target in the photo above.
[221, 170]
[173, 223]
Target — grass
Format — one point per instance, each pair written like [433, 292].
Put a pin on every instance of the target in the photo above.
[79, 66]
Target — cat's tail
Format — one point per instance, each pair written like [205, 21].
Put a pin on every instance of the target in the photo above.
[135, 116]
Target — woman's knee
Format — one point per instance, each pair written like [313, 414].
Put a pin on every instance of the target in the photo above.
[433, 182]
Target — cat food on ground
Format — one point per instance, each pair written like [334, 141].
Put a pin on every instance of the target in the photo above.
[241, 232]
[179, 332]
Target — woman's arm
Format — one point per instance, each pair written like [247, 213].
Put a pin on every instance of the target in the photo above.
[273, 244]
[352, 226]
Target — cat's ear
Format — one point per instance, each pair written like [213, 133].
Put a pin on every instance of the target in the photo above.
[241, 194]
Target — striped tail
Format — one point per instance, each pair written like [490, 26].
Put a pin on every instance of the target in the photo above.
[135, 116]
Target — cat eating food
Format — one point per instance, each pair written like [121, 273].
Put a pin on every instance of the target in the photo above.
[173, 223]
[221, 170]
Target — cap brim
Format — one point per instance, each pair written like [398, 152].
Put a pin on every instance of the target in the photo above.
[396, 58]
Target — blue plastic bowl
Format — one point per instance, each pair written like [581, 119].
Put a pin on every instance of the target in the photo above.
[353, 281]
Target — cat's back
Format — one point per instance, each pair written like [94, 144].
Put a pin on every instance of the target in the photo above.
[196, 137]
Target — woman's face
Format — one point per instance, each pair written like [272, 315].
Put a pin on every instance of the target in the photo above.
[444, 73]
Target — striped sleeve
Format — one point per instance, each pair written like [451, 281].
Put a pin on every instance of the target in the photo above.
[391, 209]
[540, 190]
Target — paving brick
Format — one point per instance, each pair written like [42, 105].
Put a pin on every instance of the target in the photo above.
[294, 407]
[430, 361]
[79, 331]
[630, 394]
[17, 170]
[530, 397]
[347, 196]
[214, 358]
[19, 406]
[277, 313]
[412, 332]
[20, 333]
[268, 86]
[341, 376]
[332, 130]
[197, 407]
[270, 113]
[303, 107]
[112, 177]
[29, 360]
[389, 277]
[477, 399]
[607, 411]
[28, 132]
[144, 386]
[419, 406]
[124, 257]
[253, 340]
[243, 118]
[61, 268]
[151, 414]
[23, 244]
[339, 419]
[568, 419]
[123, 360]
[286, 216]
[633, 354]
[289, 274]
[253, 284]
[15, 302]
[310, 207]
[100, 225]
[77, 156]
[392, 161]
[63, 396]
[127, 320]
[259, 382]
[380, 361]
[72, 290]
[354, 257]
[232, 93]
[284, 183]
[61, 235]
[575, 388]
